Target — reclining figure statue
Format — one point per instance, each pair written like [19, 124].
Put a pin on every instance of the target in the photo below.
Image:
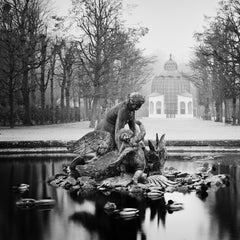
[112, 149]
[115, 157]
[133, 157]
[131, 152]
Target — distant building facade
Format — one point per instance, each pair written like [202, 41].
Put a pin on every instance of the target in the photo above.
[172, 94]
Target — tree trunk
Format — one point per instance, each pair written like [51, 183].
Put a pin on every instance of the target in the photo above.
[52, 100]
[11, 105]
[207, 114]
[79, 108]
[85, 117]
[33, 87]
[226, 112]
[62, 104]
[51, 87]
[94, 112]
[234, 113]
[218, 107]
[221, 111]
[62, 98]
[26, 100]
[42, 81]
[42, 96]
[67, 95]
[67, 109]
[238, 111]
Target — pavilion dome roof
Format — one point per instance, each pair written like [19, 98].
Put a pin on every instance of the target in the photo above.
[170, 65]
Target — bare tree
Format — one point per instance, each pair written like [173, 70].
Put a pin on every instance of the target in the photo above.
[220, 43]
[26, 20]
[51, 73]
[9, 60]
[99, 23]
[66, 53]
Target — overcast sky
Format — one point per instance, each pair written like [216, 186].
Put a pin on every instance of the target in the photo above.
[171, 23]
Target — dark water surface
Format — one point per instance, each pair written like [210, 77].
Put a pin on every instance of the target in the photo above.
[215, 218]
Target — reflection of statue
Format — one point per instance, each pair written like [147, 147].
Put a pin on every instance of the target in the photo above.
[122, 114]
[157, 210]
[107, 225]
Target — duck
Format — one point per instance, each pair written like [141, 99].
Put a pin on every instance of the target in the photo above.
[29, 203]
[110, 206]
[21, 188]
[128, 212]
[174, 206]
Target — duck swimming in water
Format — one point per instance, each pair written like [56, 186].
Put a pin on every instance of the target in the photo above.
[173, 206]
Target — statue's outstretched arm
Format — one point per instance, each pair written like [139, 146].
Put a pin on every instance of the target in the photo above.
[140, 136]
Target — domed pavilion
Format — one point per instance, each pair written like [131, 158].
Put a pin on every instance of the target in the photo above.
[172, 94]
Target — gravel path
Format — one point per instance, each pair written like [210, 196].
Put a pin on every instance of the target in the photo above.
[175, 129]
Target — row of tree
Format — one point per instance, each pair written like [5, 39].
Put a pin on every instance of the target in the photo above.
[216, 64]
[46, 72]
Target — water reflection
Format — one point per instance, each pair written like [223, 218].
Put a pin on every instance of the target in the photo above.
[75, 217]
[225, 210]
[111, 227]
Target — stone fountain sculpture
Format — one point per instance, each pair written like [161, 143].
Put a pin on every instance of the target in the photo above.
[113, 157]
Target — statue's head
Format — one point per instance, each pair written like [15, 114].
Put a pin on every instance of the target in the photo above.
[135, 100]
[125, 135]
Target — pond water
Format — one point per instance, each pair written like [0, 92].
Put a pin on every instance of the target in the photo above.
[217, 217]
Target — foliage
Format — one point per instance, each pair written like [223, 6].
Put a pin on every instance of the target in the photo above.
[46, 72]
[217, 55]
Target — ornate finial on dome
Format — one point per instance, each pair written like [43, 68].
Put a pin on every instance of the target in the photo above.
[170, 65]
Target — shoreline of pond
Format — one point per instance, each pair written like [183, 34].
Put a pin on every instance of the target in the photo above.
[173, 146]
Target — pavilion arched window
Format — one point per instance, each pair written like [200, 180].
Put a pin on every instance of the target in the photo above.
[182, 108]
[159, 107]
